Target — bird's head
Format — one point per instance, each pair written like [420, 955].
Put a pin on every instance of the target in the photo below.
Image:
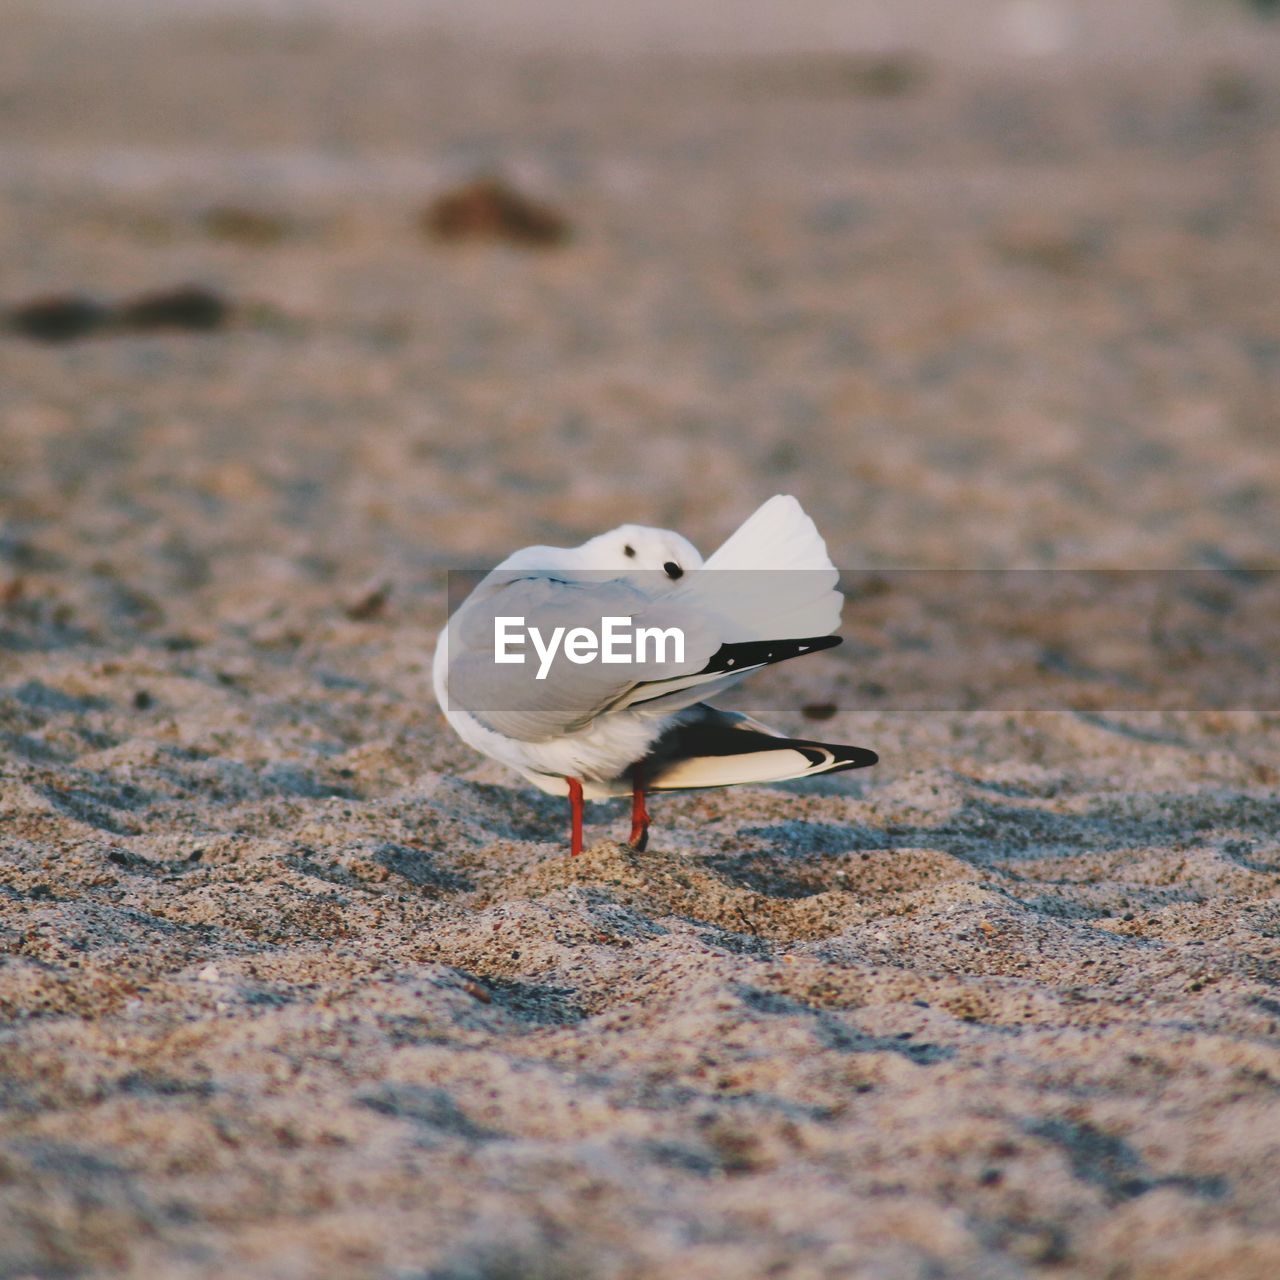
[636, 548]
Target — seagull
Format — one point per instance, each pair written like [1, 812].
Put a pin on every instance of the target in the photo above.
[592, 729]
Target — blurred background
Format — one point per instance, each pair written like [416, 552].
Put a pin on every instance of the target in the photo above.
[302, 295]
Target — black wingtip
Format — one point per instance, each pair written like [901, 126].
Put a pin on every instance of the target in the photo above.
[834, 757]
[852, 758]
[762, 653]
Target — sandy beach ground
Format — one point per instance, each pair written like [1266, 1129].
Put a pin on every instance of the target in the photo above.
[292, 984]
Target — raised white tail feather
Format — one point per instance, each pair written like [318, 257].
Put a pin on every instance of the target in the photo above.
[777, 535]
[774, 578]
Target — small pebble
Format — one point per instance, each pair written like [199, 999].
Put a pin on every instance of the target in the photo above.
[819, 710]
[370, 604]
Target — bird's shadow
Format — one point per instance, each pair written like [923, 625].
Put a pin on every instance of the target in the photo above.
[791, 859]
[993, 830]
[525, 813]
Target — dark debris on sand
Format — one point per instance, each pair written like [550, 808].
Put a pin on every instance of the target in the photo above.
[58, 318]
[489, 209]
[191, 307]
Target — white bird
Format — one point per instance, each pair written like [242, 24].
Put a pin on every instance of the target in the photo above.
[590, 731]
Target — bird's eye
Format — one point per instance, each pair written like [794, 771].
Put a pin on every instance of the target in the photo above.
[629, 551]
[673, 570]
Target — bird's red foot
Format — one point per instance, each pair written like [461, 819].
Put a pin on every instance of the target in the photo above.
[639, 816]
[575, 812]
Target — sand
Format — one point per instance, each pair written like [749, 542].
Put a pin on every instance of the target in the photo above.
[294, 985]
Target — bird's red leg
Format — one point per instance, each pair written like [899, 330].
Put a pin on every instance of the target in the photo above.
[575, 809]
[639, 814]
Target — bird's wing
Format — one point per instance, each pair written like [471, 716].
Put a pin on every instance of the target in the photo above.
[509, 697]
[725, 667]
[706, 747]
